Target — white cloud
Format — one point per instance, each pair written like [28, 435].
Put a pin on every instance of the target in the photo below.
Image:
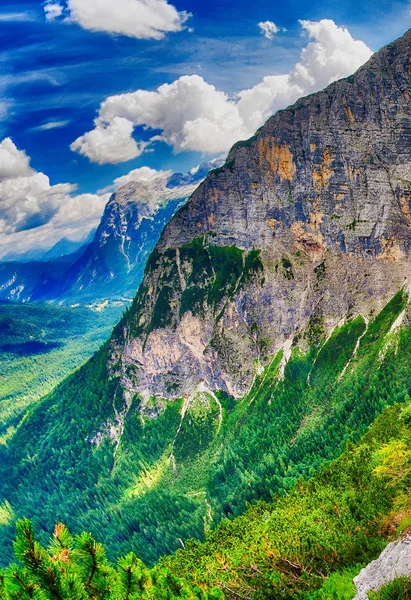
[333, 54]
[17, 16]
[268, 29]
[51, 125]
[53, 10]
[35, 213]
[109, 142]
[75, 218]
[193, 115]
[13, 162]
[141, 19]
[29, 201]
[258, 103]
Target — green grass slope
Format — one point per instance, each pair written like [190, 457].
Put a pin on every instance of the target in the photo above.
[307, 545]
[312, 542]
[148, 483]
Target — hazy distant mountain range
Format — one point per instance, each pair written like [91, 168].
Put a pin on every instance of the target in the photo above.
[110, 262]
[61, 249]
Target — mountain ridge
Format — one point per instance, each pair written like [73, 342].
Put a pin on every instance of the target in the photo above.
[111, 264]
[271, 328]
[321, 192]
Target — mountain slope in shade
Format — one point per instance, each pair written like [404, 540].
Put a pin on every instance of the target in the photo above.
[111, 265]
[133, 220]
[28, 256]
[62, 248]
[65, 247]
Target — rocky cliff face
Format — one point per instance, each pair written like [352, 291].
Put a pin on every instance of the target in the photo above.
[393, 562]
[307, 222]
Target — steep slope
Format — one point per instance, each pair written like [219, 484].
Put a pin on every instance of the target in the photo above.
[33, 280]
[308, 545]
[312, 543]
[322, 192]
[150, 479]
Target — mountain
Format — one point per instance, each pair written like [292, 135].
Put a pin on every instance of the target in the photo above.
[110, 263]
[60, 249]
[33, 280]
[307, 222]
[29, 255]
[148, 482]
[66, 247]
[132, 222]
[270, 330]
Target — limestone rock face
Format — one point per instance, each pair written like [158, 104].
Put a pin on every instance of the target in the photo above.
[393, 562]
[318, 207]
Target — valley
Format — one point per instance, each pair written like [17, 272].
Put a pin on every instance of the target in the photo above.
[41, 344]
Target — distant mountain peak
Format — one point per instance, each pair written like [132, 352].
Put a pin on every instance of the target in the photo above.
[111, 261]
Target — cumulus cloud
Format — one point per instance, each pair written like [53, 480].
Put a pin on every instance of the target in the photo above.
[13, 162]
[33, 212]
[110, 142]
[76, 217]
[333, 54]
[268, 29]
[28, 202]
[142, 19]
[193, 115]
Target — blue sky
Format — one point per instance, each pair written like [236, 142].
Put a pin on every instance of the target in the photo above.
[55, 73]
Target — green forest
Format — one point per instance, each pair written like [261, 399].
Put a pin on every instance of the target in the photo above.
[41, 344]
[251, 481]
[308, 544]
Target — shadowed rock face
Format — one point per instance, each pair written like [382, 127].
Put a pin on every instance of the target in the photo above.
[113, 264]
[323, 192]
